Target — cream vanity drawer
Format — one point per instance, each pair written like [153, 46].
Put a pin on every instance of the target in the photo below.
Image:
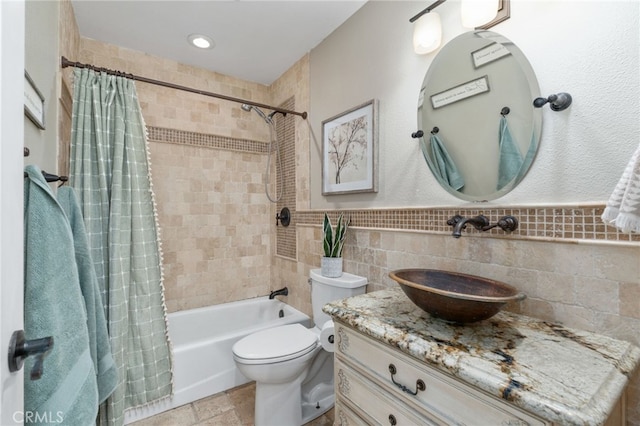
[370, 403]
[345, 417]
[424, 388]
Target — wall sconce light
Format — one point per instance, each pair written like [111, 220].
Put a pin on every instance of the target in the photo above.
[427, 33]
[478, 14]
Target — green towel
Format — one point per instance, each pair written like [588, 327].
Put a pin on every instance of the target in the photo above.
[53, 306]
[442, 164]
[99, 345]
[510, 157]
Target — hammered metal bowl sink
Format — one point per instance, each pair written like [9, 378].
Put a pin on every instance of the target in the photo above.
[455, 297]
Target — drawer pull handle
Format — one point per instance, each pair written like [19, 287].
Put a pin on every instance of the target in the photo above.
[420, 386]
[392, 420]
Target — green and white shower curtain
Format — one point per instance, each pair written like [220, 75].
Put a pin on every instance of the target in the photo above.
[110, 173]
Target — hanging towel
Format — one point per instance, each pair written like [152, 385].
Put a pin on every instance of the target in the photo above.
[623, 207]
[441, 163]
[53, 306]
[510, 158]
[105, 367]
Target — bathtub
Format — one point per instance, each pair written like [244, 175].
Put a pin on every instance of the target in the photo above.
[202, 339]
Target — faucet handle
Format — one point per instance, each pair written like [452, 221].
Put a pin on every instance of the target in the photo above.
[453, 221]
[508, 223]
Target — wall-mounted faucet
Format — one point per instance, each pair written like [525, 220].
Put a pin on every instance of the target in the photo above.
[282, 292]
[481, 223]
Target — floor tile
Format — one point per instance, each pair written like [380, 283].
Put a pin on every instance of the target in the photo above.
[213, 406]
[181, 416]
[234, 407]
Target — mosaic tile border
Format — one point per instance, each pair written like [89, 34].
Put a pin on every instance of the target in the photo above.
[555, 223]
[286, 241]
[569, 223]
[183, 137]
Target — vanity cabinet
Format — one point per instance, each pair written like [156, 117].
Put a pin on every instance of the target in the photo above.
[376, 384]
[396, 364]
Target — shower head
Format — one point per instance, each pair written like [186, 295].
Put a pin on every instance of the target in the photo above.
[247, 107]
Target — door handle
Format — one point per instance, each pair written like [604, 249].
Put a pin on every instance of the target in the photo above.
[20, 349]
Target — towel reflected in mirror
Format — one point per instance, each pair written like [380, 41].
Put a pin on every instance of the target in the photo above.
[441, 163]
[511, 159]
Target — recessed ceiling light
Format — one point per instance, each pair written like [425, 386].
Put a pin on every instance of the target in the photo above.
[201, 41]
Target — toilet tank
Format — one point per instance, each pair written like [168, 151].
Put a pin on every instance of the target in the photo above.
[325, 290]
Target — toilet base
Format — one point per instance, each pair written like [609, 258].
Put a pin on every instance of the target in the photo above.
[318, 406]
[278, 404]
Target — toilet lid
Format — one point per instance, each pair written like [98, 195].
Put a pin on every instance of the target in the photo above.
[276, 344]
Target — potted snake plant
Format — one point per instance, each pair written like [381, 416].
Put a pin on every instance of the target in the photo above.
[333, 243]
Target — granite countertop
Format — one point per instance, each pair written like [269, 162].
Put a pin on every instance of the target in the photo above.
[564, 375]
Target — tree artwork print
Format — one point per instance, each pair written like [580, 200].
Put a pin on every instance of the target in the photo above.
[349, 143]
[348, 148]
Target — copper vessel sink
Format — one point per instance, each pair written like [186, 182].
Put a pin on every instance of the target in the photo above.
[455, 297]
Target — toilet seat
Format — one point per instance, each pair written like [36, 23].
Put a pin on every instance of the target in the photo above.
[276, 344]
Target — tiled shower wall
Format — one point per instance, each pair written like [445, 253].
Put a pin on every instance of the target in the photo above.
[286, 236]
[207, 160]
[213, 216]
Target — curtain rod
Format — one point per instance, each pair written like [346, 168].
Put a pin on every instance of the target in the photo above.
[67, 63]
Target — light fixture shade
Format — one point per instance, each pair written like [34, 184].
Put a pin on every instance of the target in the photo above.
[478, 12]
[427, 33]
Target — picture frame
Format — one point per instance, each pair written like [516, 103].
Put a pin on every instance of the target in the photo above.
[349, 151]
[488, 54]
[460, 92]
[33, 102]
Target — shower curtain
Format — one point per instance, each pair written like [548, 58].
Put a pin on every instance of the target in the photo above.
[109, 170]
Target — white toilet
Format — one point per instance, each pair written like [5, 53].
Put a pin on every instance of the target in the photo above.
[292, 370]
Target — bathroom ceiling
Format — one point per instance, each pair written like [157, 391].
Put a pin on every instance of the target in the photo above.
[254, 40]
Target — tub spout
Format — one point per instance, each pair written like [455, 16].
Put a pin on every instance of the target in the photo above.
[282, 292]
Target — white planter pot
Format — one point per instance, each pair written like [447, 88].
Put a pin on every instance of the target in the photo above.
[331, 267]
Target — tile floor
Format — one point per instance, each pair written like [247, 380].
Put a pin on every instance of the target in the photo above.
[229, 408]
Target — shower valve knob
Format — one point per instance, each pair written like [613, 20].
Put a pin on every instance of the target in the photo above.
[284, 217]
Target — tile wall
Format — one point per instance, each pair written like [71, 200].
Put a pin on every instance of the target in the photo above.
[286, 236]
[590, 284]
[208, 157]
[213, 217]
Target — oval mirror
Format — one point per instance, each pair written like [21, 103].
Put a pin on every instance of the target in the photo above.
[481, 131]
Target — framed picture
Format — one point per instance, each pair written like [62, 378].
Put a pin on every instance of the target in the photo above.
[488, 54]
[33, 102]
[458, 93]
[349, 146]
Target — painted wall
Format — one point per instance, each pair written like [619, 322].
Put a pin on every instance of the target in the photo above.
[41, 61]
[371, 56]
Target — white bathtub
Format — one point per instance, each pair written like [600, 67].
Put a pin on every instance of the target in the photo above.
[202, 339]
